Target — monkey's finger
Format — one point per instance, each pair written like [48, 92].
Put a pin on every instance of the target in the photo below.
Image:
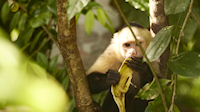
[138, 59]
[134, 65]
[132, 62]
[116, 79]
[135, 60]
[113, 75]
[113, 82]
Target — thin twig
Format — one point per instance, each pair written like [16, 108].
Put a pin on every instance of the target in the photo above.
[195, 18]
[183, 26]
[177, 47]
[39, 48]
[143, 52]
[174, 93]
[50, 36]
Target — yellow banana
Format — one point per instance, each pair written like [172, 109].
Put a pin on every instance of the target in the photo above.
[122, 87]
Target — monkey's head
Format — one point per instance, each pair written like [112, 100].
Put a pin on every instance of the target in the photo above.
[126, 43]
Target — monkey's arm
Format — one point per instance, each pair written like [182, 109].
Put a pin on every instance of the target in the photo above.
[99, 82]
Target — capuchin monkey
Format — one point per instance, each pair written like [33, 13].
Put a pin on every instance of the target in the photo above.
[104, 72]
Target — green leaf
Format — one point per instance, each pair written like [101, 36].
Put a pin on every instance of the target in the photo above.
[139, 4]
[14, 34]
[75, 6]
[22, 22]
[190, 27]
[53, 63]
[3, 33]
[5, 10]
[41, 19]
[77, 17]
[89, 22]
[159, 43]
[28, 34]
[72, 105]
[36, 38]
[133, 14]
[150, 91]
[92, 5]
[52, 6]
[42, 60]
[186, 64]
[157, 104]
[36, 7]
[175, 6]
[44, 41]
[65, 82]
[189, 30]
[101, 16]
[37, 70]
[111, 27]
[14, 20]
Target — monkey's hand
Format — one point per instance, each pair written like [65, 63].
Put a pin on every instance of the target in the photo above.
[137, 65]
[112, 78]
[99, 82]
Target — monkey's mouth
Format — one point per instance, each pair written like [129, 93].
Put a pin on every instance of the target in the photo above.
[132, 57]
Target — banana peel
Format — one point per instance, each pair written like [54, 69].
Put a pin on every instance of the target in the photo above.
[122, 87]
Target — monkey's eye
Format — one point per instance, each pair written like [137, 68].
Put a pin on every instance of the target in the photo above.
[127, 45]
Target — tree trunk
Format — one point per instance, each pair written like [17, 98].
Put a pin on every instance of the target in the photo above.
[68, 46]
[158, 20]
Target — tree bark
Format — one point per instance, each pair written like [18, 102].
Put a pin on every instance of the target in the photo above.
[158, 20]
[69, 50]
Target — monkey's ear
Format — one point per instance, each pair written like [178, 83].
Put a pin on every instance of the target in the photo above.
[115, 38]
[116, 35]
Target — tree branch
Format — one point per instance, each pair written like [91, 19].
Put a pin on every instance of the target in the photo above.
[158, 20]
[50, 36]
[68, 46]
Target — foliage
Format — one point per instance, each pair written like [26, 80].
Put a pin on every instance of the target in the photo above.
[25, 86]
[75, 6]
[32, 27]
[133, 14]
[171, 6]
[139, 4]
[86, 7]
[159, 43]
[186, 64]
[150, 90]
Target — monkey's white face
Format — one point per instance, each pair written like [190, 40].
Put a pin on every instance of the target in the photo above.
[128, 46]
[131, 49]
